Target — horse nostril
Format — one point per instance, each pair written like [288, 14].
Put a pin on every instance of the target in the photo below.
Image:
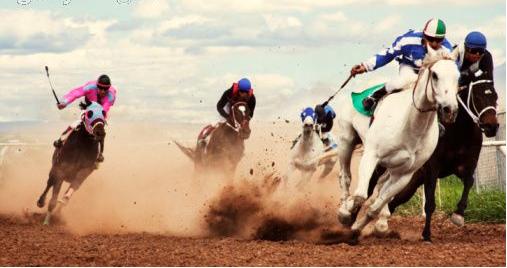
[446, 109]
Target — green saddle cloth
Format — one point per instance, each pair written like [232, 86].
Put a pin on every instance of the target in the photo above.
[358, 97]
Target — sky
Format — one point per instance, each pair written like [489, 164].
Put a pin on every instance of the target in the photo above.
[172, 60]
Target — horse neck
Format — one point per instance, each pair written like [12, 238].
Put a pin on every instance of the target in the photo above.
[307, 141]
[418, 122]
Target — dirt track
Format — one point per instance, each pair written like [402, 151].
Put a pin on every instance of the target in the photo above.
[31, 244]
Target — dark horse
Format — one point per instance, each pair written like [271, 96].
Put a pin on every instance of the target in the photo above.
[76, 159]
[225, 147]
[457, 152]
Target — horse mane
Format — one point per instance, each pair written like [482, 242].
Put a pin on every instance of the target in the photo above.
[431, 58]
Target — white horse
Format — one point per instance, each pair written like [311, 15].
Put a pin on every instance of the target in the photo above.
[401, 138]
[307, 153]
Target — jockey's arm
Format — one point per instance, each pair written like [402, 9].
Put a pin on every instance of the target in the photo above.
[385, 56]
[109, 100]
[223, 102]
[251, 105]
[73, 95]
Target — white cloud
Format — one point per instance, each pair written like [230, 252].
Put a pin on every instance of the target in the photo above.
[275, 23]
[29, 31]
[335, 17]
[151, 8]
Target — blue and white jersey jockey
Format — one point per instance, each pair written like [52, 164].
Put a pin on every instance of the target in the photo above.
[409, 50]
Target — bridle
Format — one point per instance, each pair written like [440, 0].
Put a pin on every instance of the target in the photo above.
[428, 82]
[470, 107]
[237, 126]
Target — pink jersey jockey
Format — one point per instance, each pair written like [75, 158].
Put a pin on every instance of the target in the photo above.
[100, 91]
[89, 90]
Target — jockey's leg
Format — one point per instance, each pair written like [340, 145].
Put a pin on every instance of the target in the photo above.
[65, 134]
[329, 141]
[405, 76]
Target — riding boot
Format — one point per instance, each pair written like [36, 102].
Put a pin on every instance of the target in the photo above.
[59, 142]
[371, 101]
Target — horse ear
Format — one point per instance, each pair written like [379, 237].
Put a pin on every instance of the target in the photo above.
[89, 114]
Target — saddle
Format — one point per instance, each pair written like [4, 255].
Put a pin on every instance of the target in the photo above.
[358, 97]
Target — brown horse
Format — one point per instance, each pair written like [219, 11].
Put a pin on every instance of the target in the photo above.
[225, 147]
[76, 159]
[457, 152]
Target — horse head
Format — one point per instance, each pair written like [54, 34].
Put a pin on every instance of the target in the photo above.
[479, 100]
[308, 118]
[239, 119]
[94, 120]
[441, 85]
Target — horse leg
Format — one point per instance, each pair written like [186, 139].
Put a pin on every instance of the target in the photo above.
[53, 202]
[42, 199]
[367, 166]
[344, 177]
[393, 186]
[458, 217]
[429, 206]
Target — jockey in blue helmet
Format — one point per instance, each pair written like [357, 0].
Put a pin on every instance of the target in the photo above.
[474, 60]
[325, 115]
[240, 91]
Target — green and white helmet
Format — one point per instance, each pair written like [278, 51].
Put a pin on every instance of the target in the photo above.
[434, 28]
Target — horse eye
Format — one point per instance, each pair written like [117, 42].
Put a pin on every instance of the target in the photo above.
[103, 113]
[488, 91]
[89, 114]
[435, 76]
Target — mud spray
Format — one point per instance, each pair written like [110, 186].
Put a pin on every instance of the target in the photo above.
[147, 185]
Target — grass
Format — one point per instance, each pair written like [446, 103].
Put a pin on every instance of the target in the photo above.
[488, 205]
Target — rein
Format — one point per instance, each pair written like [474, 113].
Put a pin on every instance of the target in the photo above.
[434, 108]
[236, 126]
[475, 115]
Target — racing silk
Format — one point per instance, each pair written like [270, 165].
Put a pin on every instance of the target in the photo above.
[228, 98]
[89, 91]
[406, 49]
[471, 72]
[327, 123]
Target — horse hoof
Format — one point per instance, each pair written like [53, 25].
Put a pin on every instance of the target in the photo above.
[354, 239]
[381, 228]
[345, 218]
[458, 220]
[40, 203]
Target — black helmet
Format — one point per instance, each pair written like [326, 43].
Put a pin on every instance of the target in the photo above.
[103, 82]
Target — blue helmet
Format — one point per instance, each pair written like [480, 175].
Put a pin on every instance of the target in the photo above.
[475, 40]
[308, 112]
[244, 85]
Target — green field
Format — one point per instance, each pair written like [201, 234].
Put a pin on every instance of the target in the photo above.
[486, 206]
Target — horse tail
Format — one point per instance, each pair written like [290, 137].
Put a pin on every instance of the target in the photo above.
[187, 151]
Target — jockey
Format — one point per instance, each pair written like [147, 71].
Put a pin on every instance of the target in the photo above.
[100, 91]
[240, 91]
[325, 115]
[409, 50]
[474, 60]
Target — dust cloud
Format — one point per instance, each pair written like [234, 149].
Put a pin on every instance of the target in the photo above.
[147, 185]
